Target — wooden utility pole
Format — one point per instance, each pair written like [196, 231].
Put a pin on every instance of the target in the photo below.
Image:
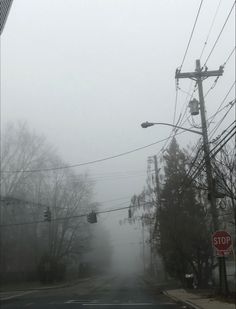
[199, 75]
[157, 187]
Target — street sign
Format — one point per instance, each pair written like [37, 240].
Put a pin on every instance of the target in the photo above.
[222, 242]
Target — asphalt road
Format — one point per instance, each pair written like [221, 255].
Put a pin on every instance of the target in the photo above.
[107, 292]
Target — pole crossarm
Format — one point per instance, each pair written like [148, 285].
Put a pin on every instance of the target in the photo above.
[199, 74]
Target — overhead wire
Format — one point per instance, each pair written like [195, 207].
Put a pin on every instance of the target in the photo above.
[224, 64]
[180, 122]
[231, 103]
[191, 35]
[202, 164]
[217, 78]
[64, 218]
[210, 29]
[175, 130]
[116, 178]
[88, 162]
[188, 179]
[219, 35]
[220, 122]
[224, 99]
[201, 149]
[218, 142]
[126, 207]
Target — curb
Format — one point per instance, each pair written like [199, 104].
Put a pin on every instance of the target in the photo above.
[187, 302]
[176, 299]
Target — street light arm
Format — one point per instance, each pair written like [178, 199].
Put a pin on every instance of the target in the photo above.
[149, 124]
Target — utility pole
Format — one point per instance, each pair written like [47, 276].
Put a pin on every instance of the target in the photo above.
[158, 199]
[199, 75]
[143, 248]
[157, 189]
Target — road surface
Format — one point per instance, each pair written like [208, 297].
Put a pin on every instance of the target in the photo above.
[106, 292]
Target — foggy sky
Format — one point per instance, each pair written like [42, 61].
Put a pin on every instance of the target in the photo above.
[86, 74]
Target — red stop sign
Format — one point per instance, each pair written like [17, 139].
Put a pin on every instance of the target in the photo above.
[222, 241]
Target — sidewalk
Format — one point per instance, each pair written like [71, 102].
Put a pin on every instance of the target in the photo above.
[198, 301]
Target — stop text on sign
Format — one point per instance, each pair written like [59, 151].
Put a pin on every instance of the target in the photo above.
[222, 240]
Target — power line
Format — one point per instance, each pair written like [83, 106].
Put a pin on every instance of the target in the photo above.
[119, 173]
[110, 178]
[231, 103]
[201, 164]
[65, 218]
[217, 78]
[86, 163]
[116, 199]
[215, 153]
[211, 26]
[224, 64]
[220, 122]
[191, 35]
[223, 132]
[218, 37]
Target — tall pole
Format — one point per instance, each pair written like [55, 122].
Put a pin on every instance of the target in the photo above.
[143, 247]
[157, 194]
[207, 149]
[157, 188]
[198, 76]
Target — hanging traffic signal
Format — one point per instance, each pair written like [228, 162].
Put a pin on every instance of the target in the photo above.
[92, 217]
[47, 215]
[130, 214]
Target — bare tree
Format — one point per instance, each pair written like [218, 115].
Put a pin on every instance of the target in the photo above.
[27, 189]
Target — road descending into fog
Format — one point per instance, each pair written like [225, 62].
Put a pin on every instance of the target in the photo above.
[106, 292]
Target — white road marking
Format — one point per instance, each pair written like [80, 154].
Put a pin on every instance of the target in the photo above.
[17, 295]
[121, 304]
[96, 303]
[29, 304]
[78, 301]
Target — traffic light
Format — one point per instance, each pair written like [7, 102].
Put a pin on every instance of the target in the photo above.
[47, 215]
[92, 217]
[129, 213]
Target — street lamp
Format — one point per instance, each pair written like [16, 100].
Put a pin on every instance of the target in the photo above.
[147, 124]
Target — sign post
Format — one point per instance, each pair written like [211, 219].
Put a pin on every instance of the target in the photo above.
[222, 242]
